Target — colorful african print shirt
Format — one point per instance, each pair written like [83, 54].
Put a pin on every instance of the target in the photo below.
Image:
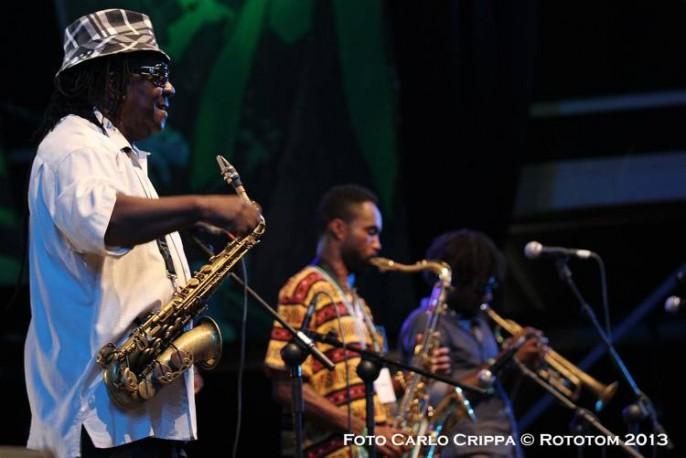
[351, 321]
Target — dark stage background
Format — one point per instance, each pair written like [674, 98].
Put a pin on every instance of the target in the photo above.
[530, 120]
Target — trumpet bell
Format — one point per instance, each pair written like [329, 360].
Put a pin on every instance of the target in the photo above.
[605, 395]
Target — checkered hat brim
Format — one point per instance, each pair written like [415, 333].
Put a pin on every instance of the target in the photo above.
[107, 32]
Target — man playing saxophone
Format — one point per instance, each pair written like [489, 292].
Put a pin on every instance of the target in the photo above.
[103, 248]
[349, 230]
[471, 346]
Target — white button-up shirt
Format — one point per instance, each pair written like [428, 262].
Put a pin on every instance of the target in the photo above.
[85, 294]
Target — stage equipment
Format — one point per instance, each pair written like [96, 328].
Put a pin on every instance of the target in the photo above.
[534, 250]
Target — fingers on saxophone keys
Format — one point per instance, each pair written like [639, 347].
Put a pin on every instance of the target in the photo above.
[248, 217]
[441, 352]
[440, 360]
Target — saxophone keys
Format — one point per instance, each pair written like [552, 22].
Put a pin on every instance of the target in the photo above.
[129, 379]
[105, 355]
[180, 360]
[146, 389]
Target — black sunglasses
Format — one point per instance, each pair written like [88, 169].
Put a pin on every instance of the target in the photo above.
[156, 74]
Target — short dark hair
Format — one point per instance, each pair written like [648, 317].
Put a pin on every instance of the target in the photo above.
[472, 256]
[338, 202]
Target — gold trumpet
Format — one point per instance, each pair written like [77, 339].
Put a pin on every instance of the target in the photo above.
[558, 372]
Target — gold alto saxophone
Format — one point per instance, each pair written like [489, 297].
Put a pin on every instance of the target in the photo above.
[159, 351]
[558, 372]
[415, 415]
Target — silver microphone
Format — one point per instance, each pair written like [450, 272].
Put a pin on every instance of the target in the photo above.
[673, 304]
[534, 250]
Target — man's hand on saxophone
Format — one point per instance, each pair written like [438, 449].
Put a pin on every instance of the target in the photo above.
[137, 220]
[231, 213]
[439, 360]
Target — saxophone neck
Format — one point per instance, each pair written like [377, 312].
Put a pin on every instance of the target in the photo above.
[439, 268]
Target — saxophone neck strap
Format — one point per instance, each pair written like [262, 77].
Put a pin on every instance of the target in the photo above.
[168, 262]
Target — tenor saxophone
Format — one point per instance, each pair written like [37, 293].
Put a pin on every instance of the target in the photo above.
[415, 415]
[159, 350]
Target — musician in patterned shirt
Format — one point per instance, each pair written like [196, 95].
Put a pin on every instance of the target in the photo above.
[350, 225]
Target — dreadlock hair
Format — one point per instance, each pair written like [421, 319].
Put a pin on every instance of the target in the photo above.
[338, 202]
[101, 83]
[472, 256]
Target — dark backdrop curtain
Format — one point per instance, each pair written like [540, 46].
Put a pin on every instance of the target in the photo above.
[466, 69]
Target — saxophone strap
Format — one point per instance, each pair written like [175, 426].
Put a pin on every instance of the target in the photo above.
[168, 262]
[352, 307]
[162, 241]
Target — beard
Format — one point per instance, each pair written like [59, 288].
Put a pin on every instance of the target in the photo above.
[354, 261]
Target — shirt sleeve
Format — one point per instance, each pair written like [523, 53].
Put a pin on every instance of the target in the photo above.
[82, 200]
[407, 340]
[294, 298]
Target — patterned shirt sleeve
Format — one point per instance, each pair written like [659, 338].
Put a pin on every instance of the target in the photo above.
[294, 299]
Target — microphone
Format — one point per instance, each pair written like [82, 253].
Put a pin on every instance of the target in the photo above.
[673, 304]
[509, 354]
[487, 375]
[534, 250]
[310, 311]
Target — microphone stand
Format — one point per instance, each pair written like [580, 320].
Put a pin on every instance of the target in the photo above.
[579, 412]
[643, 406]
[369, 369]
[293, 354]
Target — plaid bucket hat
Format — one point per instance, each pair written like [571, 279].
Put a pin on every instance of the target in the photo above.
[107, 32]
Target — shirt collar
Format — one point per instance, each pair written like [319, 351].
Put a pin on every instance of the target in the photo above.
[117, 137]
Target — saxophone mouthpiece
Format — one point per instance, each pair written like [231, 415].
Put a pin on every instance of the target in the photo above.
[229, 173]
[223, 164]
